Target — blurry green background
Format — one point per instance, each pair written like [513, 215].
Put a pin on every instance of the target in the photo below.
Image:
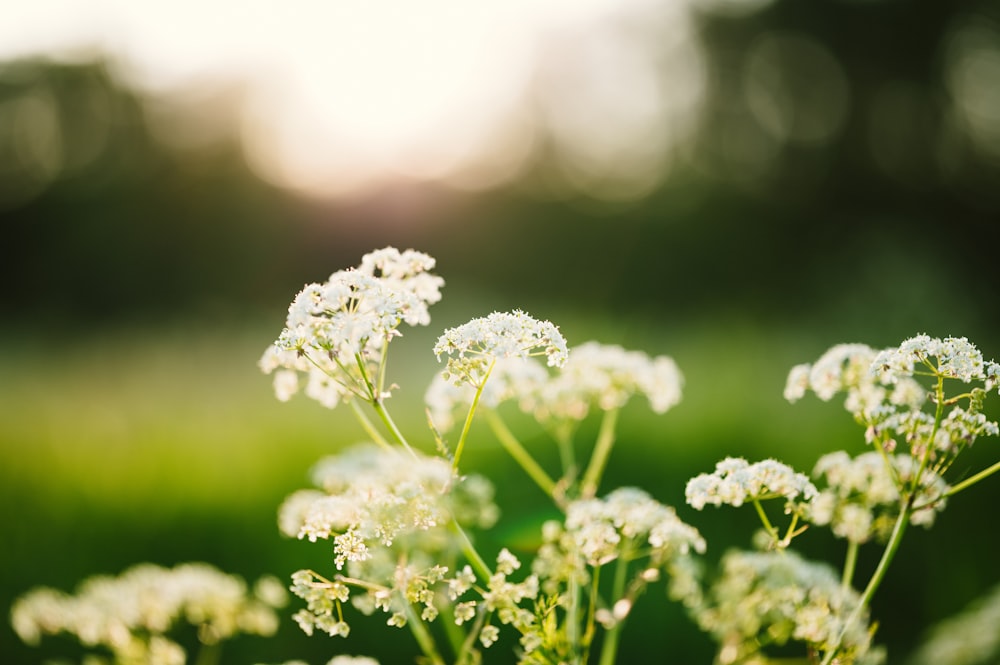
[831, 176]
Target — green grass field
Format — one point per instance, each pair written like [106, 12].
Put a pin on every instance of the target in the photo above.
[168, 446]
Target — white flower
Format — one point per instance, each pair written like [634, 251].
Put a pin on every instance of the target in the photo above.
[861, 500]
[347, 320]
[371, 496]
[735, 481]
[474, 346]
[848, 368]
[952, 357]
[352, 660]
[147, 601]
[406, 271]
[605, 376]
[624, 522]
[774, 597]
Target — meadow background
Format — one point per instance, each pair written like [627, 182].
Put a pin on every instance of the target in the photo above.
[835, 181]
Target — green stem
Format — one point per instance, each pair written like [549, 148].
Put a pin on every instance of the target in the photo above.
[602, 450]
[367, 426]
[423, 636]
[972, 480]
[520, 454]
[766, 522]
[925, 458]
[383, 364]
[850, 564]
[573, 615]
[609, 649]
[478, 564]
[588, 635]
[883, 565]
[387, 419]
[468, 417]
[208, 654]
[456, 637]
[563, 434]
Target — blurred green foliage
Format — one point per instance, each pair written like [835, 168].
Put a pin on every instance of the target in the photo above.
[140, 283]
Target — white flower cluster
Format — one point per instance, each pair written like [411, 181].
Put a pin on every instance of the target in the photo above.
[771, 598]
[503, 598]
[626, 525]
[338, 660]
[131, 614]
[861, 500]
[595, 374]
[958, 430]
[848, 368]
[370, 496]
[735, 482]
[952, 357]
[605, 375]
[624, 522]
[336, 332]
[473, 347]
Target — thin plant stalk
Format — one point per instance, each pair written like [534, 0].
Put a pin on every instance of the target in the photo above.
[367, 426]
[423, 636]
[873, 584]
[391, 425]
[468, 417]
[609, 649]
[520, 454]
[850, 563]
[972, 480]
[456, 637]
[470, 552]
[771, 531]
[602, 450]
[563, 435]
[208, 654]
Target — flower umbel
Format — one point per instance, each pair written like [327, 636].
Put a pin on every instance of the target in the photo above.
[337, 332]
[473, 347]
[132, 613]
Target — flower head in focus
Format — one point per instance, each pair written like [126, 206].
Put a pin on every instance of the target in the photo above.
[336, 333]
[735, 482]
[473, 348]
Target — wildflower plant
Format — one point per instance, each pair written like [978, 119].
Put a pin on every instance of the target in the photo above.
[130, 617]
[401, 523]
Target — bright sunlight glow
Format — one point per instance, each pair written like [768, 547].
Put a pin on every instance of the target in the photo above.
[342, 96]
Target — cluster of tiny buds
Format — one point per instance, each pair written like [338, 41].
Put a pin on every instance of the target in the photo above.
[132, 613]
[350, 317]
[735, 482]
[861, 499]
[952, 357]
[473, 347]
[338, 660]
[773, 597]
[598, 375]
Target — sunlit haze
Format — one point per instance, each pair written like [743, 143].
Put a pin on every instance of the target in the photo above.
[338, 97]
